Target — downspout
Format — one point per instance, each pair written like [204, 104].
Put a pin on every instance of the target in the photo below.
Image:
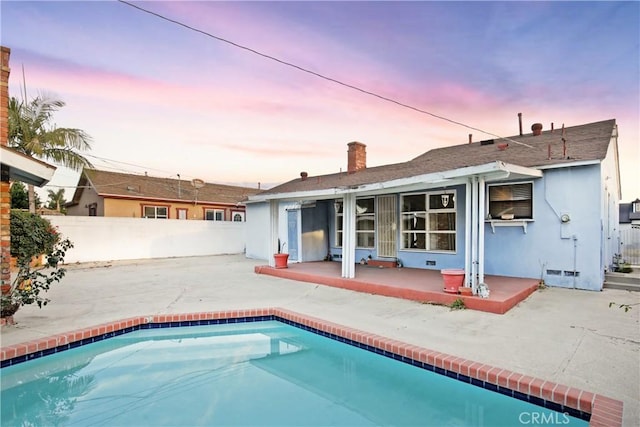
[575, 258]
[467, 235]
[481, 216]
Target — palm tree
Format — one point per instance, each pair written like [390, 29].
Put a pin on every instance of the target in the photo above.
[56, 199]
[32, 133]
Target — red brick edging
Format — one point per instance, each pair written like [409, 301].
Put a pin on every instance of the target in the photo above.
[604, 410]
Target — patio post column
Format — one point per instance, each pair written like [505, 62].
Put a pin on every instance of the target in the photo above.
[349, 236]
[273, 231]
[481, 217]
[474, 234]
[467, 234]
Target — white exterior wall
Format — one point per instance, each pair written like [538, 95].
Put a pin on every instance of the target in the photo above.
[88, 197]
[610, 205]
[107, 239]
[257, 230]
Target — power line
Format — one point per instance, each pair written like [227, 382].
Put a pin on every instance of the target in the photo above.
[316, 74]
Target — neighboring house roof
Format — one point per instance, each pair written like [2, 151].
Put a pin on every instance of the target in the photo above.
[584, 144]
[142, 187]
[627, 215]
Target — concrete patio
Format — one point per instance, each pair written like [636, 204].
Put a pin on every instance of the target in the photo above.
[566, 336]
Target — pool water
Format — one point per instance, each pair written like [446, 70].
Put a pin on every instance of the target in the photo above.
[262, 373]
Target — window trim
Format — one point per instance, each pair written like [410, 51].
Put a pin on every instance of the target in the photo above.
[338, 242]
[214, 210]
[506, 222]
[186, 213]
[241, 213]
[427, 211]
[143, 206]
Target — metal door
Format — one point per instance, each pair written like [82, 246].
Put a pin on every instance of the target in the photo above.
[387, 219]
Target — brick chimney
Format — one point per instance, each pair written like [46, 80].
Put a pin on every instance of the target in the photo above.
[5, 196]
[356, 156]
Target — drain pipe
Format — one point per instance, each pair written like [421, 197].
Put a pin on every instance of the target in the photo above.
[467, 234]
[575, 260]
[481, 217]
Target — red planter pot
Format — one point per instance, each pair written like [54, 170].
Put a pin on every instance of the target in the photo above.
[453, 279]
[281, 260]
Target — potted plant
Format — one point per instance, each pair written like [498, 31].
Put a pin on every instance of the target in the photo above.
[32, 236]
[281, 258]
[453, 279]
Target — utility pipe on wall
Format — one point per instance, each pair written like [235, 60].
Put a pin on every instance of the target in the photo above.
[467, 234]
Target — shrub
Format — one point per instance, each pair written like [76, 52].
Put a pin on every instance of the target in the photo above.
[32, 236]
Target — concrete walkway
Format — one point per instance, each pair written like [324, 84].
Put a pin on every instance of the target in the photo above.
[566, 336]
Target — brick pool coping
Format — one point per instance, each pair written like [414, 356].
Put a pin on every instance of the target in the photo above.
[604, 410]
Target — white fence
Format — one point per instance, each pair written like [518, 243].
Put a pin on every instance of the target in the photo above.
[106, 239]
[630, 245]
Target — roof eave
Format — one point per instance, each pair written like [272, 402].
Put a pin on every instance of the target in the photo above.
[490, 171]
[26, 169]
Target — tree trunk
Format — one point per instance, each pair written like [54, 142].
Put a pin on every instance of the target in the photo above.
[32, 199]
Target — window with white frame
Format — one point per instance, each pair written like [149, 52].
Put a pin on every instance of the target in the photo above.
[429, 221]
[365, 223]
[214, 214]
[511, 201]
[636, 206]
[161, 212]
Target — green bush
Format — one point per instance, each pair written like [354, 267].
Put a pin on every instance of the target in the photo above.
[32, 236]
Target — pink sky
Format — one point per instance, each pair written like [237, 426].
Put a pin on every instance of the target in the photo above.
[173, 101]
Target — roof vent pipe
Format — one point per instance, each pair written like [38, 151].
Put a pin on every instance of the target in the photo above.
[470, 138]
[537, 129]
[520, 122]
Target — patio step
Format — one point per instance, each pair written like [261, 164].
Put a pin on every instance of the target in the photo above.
[382, 263]
[623, 281]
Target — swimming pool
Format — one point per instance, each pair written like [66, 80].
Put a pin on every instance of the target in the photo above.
[250, 369]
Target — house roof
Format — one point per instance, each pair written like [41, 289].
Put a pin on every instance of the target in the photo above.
[584, 143]
[626, 213]
[130, 186]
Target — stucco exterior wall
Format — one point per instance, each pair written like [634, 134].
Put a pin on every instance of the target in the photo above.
[610, 206]
[106, 239]
[88, 197]
[551, 249]
[257, 227]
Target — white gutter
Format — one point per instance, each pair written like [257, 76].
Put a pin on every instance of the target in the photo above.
[569, 164]
[444, 178]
